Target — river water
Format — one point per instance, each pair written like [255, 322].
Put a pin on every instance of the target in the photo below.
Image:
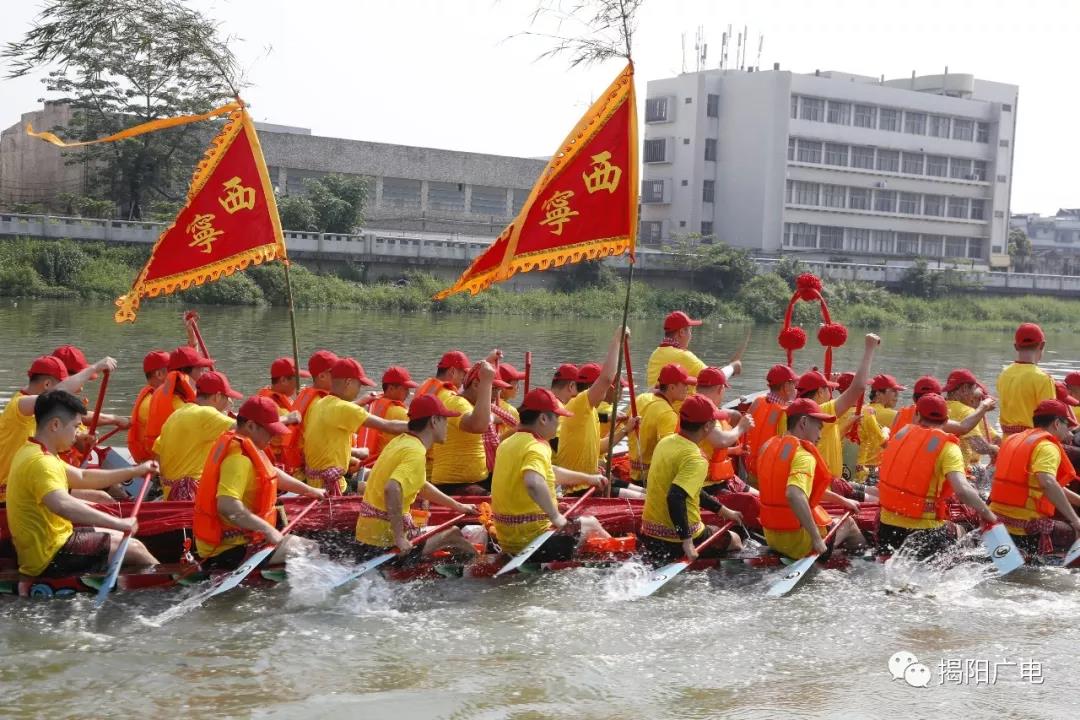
[565, 644]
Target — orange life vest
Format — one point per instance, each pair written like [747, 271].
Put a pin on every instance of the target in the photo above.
[371, 438]
[774, 469]
[904, 417]
[433, 386]
[176, 384]
[907, 469]
[1011, 479]
[208, 525]
[720, 466]
[136, 435]
[276, 448]
[293, 452]
[766, 417]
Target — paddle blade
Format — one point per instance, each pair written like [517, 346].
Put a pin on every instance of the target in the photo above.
[523, 556]
[795, 574]
[237, 576]
[659, 579]
[365, 568]
[113, 573]
[1001, 549]
[1073, 555]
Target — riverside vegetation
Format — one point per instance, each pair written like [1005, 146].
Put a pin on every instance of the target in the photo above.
[95, 271]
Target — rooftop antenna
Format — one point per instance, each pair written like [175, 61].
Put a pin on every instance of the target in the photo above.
[701, 49]
[745, 45]
[684, 53]
[760, 45]
[738, 52]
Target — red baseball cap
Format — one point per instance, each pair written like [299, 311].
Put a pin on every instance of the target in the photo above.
[155, 360]
[509, 373]
[285, 367]
[959, 378]
[932, 407]
[927, 384]
[885, 382]
[588, 373]
[186, 356]
[48, 365]
[813, 380]
[349, 369]
[455, 359]
[321, 361]
[678, 320]
[215, 382]
[844, 380]
[780, 374]
[1055, 408]
[1072, 378]
[397, 375]
[567, 372]
[699, 409]
[263, 412]
[1029, 335]
[426, 406]
[711, 377]
[675, 374]
[73, 358]
[806, 406]
[474, 372]
[543, 400]
[1063, 394]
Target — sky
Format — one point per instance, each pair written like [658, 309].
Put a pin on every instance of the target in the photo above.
[459, 74]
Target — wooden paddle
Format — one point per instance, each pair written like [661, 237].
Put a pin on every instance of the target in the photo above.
[375, 562]
[100, 401]
[661, 577]
[523, 556]
[629, 381]
[1001, 549]
[528, 370]
[121, 551]
[798, 570]
[193, 317]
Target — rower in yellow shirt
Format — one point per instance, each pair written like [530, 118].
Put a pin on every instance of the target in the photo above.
[884, 397]
[660, 418]
[1023, 385]
[962, 391]
[675, 348]
[460, 463]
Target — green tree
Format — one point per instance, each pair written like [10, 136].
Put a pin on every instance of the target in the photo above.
[338, 201]
[297, 213]
[716, 268]
[588, 273]
[920, 281]
[790, 268]
[124, 62]
[1020, 250]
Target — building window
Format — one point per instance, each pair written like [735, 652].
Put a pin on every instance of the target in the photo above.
[656, 109]
[915, 123]
[1005, 107]
[937, 165]
[706, 228]
[688, 100]
[979, 170]
[791, 149]
[960, 168]
[794, 107]
[885, 201]
[832, 238]
[401, 193]
[931, 245]
[888, 160]
[958, 207]
[708, 190]
[686, 141]
[1002, 178]
[656, 150]
[806, 193]
[833, 195]
[975, 248]
[882, 241]
[890, 119]
[803, 235]
[812, 109]
[933, 205]
[710, 149]
[712, 105]
[939, 126]
[682, 223]
[684, 183]
[982, 132]
[955, 247]
[858, 240]
[865, 116]
[907, 243]
[839, 113]
[836, 154]
[909, 203]
[963, 129]
[913, 163]
[650, 231]
[652, 191]
[862, 157]
[1003, 143]
[1001, 214]
[488, 201]
[446, 196]
[809, 152]
[859, 199]
[978, 209]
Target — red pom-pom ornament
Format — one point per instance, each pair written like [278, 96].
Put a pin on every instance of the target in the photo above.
[808, 287]
[792, 338]
[832, 335]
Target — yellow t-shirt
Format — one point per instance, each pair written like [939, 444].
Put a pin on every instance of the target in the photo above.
[796, 544]
[830, 443]
[461, 459]
[959, 412]
[236, 480]
[186, 440]
[393, 412]
[676, 461]
[1044, 459]
[870, 446]
[328, 435]
[579, 436]
[950, 460]
[15, 429]
[1021, 387]
[658, 421]
[666, 355]
[37, 532]
[519, 453]
[401, 460]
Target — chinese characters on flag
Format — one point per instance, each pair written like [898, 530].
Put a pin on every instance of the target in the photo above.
[583, 206]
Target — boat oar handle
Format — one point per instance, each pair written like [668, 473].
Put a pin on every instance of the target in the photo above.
[712, 538]
[99, 403]
[832, 531]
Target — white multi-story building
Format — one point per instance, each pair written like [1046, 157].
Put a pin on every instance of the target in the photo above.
[831, 164]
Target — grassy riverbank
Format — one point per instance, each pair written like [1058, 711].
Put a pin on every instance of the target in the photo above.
[89, 271]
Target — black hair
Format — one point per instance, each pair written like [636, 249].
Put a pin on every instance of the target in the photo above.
[41, 377]
[809, 393]
[528, 417]
[874, 393]
[560, 384]
[793, 420]
[1045, 421]
[240, 420]
[187, 370]
[57, 403]
[440, 373]
[663, 388]
[583, 386]
[419, 424]
[690, 427]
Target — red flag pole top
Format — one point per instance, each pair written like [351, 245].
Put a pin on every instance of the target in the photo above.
[583, 206]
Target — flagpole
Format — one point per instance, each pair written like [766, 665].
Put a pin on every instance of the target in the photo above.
[292, 325]
[613, 418]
